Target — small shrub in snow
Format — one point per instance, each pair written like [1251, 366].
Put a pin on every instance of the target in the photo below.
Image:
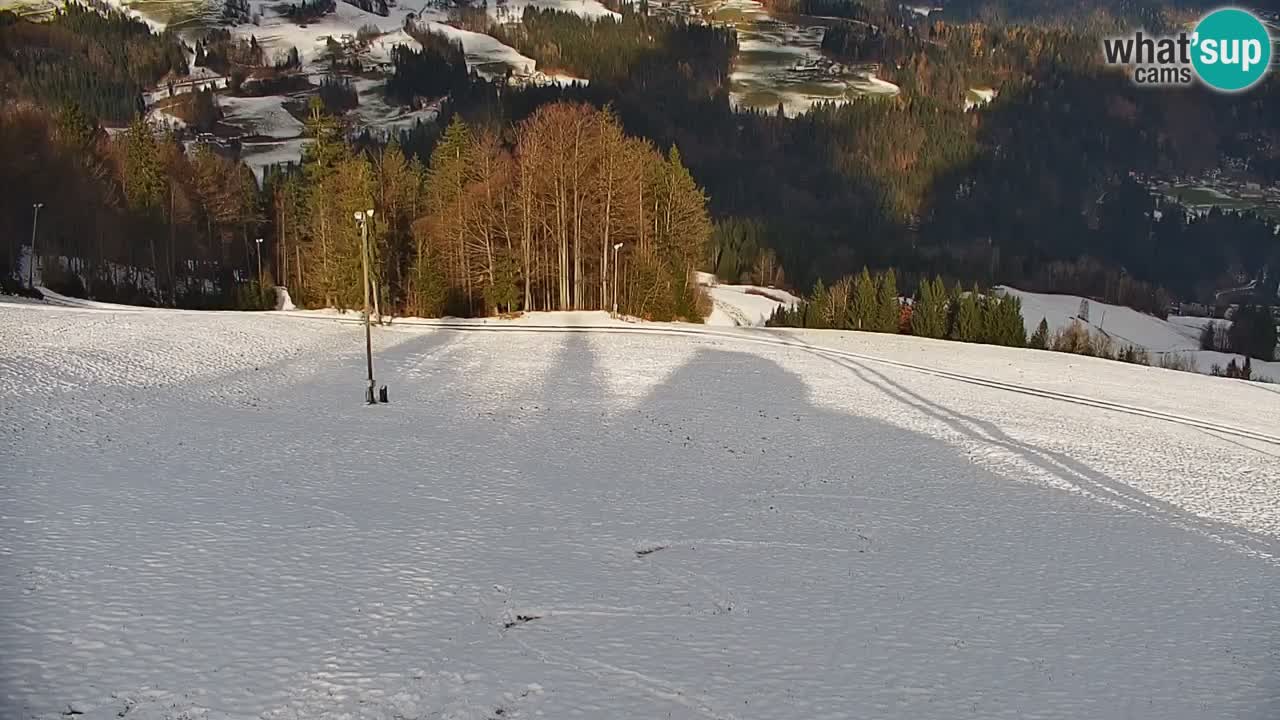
[1175, 361]
[1238, 371]
[1134, 355]
[1078, 339]
[1070, 339]
[1103, 347]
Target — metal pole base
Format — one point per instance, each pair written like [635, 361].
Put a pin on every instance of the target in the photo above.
[368, 396]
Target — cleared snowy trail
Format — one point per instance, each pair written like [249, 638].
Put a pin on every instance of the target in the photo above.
[200, 519]
[793, 339]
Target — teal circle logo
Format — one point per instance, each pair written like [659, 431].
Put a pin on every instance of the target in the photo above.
[1231, 49]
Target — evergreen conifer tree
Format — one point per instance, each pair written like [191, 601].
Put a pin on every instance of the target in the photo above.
[817, 303]
[888, 310]
[924, 311]
[988, 318]
[1015, 328]
[968, 325]
[862, 307]
[1040, 340]
[953, 310]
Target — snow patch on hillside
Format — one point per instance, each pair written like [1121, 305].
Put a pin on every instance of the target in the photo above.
[979, 97]
[165, 119]
[124, 7]
[388, 118]
[60, 300]
[261, 155]
[484, 51]
[742, 305]
[263, 116]
[872, 85]
[1126, 326]
[513, 10]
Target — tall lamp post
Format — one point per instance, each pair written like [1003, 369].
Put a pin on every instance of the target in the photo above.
[259, 241]
[616, 248]
[31, 261]
[363, 217]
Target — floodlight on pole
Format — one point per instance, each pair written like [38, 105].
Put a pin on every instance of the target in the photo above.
[31, 261]
[362, 219]
[259, 242]
[616, 248]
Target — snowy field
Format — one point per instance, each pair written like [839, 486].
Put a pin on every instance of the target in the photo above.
[1125, 326]
[263, 116]
[200, 520]
[742, 305]
[781, 61]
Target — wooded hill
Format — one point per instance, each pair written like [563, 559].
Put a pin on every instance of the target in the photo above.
[90, 56]
[1088, 16]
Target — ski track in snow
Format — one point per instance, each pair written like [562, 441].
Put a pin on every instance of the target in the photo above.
[200, 519]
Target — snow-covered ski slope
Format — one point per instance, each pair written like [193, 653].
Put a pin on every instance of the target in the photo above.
[745, 305]
[200, 519]
[742, 305]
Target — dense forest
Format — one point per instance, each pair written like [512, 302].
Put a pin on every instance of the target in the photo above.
[536, 223]
[1042, 189]
[1091, 16]
[866, 11]
[99, 61]
[917, 182]
[150, 222]
[943, 61]
[871, 302]
[437, 68]
[489, 227]
[616, 52]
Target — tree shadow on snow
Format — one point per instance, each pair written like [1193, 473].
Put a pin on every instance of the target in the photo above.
[728, 453]
[790, 539]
